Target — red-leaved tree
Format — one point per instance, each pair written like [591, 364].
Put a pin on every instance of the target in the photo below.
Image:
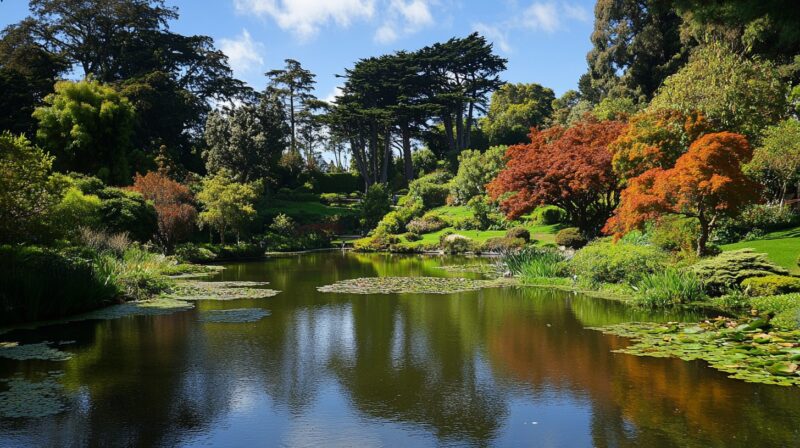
[172, 201]
[570, 168]
[706, 183]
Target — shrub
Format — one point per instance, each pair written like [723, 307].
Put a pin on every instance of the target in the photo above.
[389, 224]
[519, 232]
[127, 211]
[669, 287]
[424, 161]
[283, 225]
[754, 221]
[503, 244]
[785, 308]
[375, 243]
[486, 214]
[571, 237]
[331, 198]
[38, 283]
[548, 215]
[770, 285]
[676, 234]
[728, 270]
[426, 224]
[606, 262]
[432, 189]
[190, 252]
[411, 237]
[455, 244]
[376, 204]
[136, 273]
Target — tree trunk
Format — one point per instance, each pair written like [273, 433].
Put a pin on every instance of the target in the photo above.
[222, 235]
[291, 120]
[447, 121]
[468, 131]
[407, 162]
[387, 155]
[460, 129]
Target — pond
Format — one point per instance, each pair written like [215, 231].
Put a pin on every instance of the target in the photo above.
[500, 366]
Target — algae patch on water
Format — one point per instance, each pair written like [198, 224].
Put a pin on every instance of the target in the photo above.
[238, 315]
[24, 352]
[410, 285]
[198, 290]
[746, 349]
[24, 398]
[159, 306]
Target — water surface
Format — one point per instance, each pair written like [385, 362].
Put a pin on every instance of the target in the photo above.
[496, 367]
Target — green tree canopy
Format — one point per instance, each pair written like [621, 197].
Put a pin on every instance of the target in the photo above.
[246, 141]
[475, 170]
[26, 195]
[733, 92]
[87, 126]
[514, 109]
[776, 163]
[227, 204]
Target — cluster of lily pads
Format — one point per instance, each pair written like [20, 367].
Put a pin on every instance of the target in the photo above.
[409, 285]
[483, 268]
[238, 315]
[26, 398]
[40, 350]
[749, 349]
[199, 290]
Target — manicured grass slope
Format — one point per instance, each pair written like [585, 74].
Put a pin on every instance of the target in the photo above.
[782, 247]
[544, 234]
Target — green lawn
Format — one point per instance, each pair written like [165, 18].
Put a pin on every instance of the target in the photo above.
[542, 234]
[781, 247]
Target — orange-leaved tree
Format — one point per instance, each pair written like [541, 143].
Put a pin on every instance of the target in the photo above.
[706, 183]
[173, 204]
[569, 168]
[655, 139]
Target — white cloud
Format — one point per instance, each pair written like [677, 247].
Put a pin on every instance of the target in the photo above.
[576, 12]
[244, 54]
[416, 12]
[494, 34]
[386, 34]
[306, 17]
[403, 18]
[542, 16]
[331, 97]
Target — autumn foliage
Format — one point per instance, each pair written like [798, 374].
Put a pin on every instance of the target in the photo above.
[655, 139]
[706, 183]
[172, 201]
[570, 168]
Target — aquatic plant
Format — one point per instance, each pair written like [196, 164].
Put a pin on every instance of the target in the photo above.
[409, 285]
[668, 288]
[747, 349]
[199, 290]
[238, 315]
[41, 350]
[29, 399]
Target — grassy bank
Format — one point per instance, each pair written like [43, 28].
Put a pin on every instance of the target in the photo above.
[782, 247]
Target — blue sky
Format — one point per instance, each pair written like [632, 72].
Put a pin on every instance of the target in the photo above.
[545, 41]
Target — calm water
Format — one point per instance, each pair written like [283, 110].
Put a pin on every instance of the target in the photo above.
[498, 367]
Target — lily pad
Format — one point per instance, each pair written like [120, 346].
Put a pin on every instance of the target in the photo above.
[749, 350]
[470, 268]
[410, 285]
[159, 306]
[237, 315]
[24, 398]
[23, 352]
[198, 290]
